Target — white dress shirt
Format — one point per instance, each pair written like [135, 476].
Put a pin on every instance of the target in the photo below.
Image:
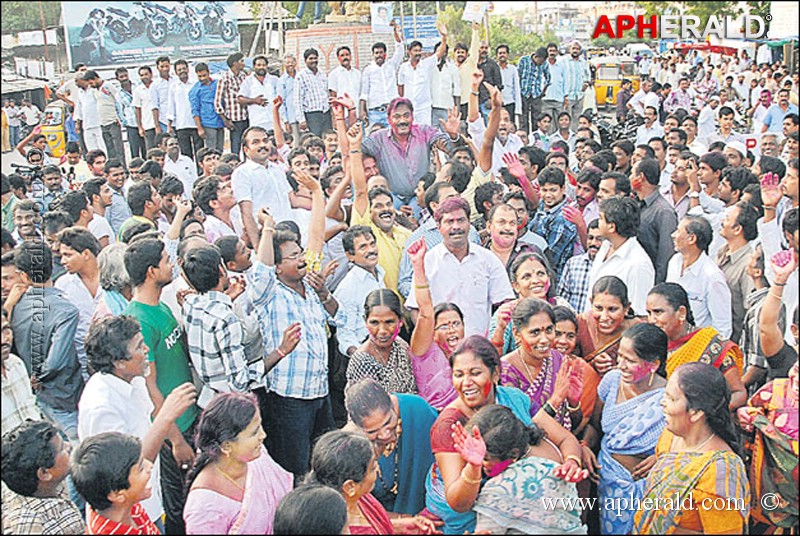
[446, 84]
[341, 81]
[632, 265]
[76, 292]
[709, 294]
[351, 293]
[379, 83]
[216, 228]
[417, 84]
[644, 134]
[253, 88]
[474, 284]
[110, 404]
[100, 227]
[642, 100]
[143, 101]
[265, 187]
[178, 106]
[185, 169]
[511, 88]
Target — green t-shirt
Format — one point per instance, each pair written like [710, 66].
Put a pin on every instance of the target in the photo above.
[164, 337]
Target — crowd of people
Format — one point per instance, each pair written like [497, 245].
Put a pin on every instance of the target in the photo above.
[429, 297]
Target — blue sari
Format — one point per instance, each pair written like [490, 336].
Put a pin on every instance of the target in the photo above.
[460, 522]
[408, 465]
[630, 428]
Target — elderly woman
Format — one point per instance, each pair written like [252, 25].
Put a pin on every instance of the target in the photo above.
[698, 459]
[114, 281]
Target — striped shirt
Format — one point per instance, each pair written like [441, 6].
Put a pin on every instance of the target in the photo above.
[310, 93]
[225, 102]
[303, 373]
[533, 79]
[102, 525]
[576, 73]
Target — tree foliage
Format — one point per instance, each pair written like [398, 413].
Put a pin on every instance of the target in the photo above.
[26, 16]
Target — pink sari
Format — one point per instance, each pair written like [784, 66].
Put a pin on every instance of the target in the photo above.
[208, 512]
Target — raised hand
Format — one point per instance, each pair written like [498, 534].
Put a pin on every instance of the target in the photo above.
[236, 287]
[265, 219]
[355, 135]
[182, 208]
[416, 253]
[511, 160]
[476, 79]
[504, 315]
[329, 269]
[573, 215]
[471, 447]
[305, 178]
[441, 28]
[603, 363]
[291, 337]
[575, 385]
[783, 264]
[178, 401]
[346, 101]
[691, 176]
[495, 96]
[561, 387]
[771, 193]
[277, 101]
[453, 124]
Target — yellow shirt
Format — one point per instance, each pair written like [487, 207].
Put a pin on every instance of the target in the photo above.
[478, 178]
[390, 247]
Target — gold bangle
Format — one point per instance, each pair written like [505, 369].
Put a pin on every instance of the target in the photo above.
[469, 480]
[422, 287]
[777, 297]
[268, 229]
[576, 408]
[575, 459]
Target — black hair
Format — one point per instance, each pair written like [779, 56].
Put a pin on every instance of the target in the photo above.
[706, 390]
[340, 456]
[527, 308]
[770, 164]
[681, 134]
[328, 507]
[200, 67]
[310, 52]
[26, 449]
[233, 58]
[107, 342]
[7, 240]
[383, 297]
[650, 168]
[136, 230]
[80, 240]
[379, 46]
[153, 168]
[35, 259]
[506, 437]
[102, 464]
[186, 224]
[227, 247]
[484, 194]
[281, 237]
[624, 213]
[594, 145]
[73, 203]
[54, 221]
[205, 191]
[432, 193]
[92, 188]
[702, 231]
[649, 151]
[589, 176]
[140, 256]
[541, 259]
[676, 297]
[536, 156]
[605, 159]
[460, 176]
[138, 195]
[224, 418]
[93, 155]
[481, 348]
[739, 178]
[789, 225]
[17, 182]
[201, 268]
[725, 110]
[622, 184]
[171, 185]
[551, 175]
[445, 307]
[650, 343]
[613, 286]
[748, 220]
[364, 398]
[110, 164]
[562, 313]
[715, 160]
[349, 237]
[325, 180]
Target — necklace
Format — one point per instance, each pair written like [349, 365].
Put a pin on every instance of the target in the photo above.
[229, 477]
[392, 448]
[380, 353]
[703, 444]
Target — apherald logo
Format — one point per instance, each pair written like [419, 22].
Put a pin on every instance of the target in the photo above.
[681, 27]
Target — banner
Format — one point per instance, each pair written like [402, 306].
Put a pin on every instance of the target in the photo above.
[474, 11]
[381, 16]
[138, 32]
[422, 29]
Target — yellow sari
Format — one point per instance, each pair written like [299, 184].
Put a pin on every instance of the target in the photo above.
[707, 346]
[706, 492]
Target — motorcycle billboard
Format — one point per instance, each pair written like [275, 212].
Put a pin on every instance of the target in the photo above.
[135, 33]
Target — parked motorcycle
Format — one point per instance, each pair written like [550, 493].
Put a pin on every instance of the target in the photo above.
[215, 23]
[156, 28]
[182, 18]
[123, 26]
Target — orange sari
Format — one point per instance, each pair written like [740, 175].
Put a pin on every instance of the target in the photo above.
[707, 346]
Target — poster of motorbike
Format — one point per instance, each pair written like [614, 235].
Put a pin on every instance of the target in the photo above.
[138, 32]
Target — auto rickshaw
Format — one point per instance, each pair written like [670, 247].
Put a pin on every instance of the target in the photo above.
[609, 73]
[53, 125]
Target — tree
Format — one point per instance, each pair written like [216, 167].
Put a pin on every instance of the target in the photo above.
[26, 16]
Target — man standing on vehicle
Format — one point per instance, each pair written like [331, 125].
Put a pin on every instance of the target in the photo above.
[110, 124]
[159, 92]
[127, 112]
[179, 111]
[143, 107]
[233, 114]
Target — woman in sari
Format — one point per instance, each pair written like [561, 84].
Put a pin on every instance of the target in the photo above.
[539, 371]
[531, 277]
[234, 486]
[399, 426]
[698, 484]
[520, 462]
[114, 281]
[346, 461]
[600, 329]
[772, 413]
[668, 308]
[628, 415]
[439, 330]
[453, 484]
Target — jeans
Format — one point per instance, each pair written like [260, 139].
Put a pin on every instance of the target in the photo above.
[531, 108]
[136, 143]
[301, 8]
[189, 141]
[412, 202]
[511, 108]
[112, 137]
[236, 135]
[318, 122]
[13, 133]
[66, 420]
[575, 110]
[149, 140]
[292, 425]
[436, 114]
[215, 138]
[376, 117]
[173, 480]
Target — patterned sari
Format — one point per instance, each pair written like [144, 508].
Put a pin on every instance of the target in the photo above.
[774, 467]
[707, 346]
[514, 500]
[681, 482]
[542, 386]
[589, 345]
[630, 428]
[441, 441]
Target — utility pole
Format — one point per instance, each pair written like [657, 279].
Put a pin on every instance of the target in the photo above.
[44, 32]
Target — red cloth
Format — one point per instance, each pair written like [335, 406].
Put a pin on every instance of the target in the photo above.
[101, 525]
[442, 430]
[375, 514]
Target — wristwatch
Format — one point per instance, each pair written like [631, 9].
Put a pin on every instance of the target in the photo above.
[694, 195]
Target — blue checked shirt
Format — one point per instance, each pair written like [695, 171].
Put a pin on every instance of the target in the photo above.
[125, 109]
[303, 373]
[214, 335]
[559, 233]
[576, 73]
[533, 79]
[574, 284]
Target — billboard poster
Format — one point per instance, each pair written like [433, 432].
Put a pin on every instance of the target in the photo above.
[139, 32]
